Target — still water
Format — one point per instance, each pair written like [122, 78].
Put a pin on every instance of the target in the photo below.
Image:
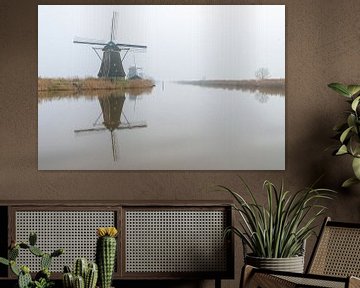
[170, 127]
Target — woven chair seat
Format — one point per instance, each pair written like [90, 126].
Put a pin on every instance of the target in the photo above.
[335, 262]
[314, 282]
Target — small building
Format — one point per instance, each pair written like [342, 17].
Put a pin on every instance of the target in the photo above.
[133, 73]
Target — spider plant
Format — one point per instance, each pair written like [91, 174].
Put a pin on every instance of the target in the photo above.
[279, 229]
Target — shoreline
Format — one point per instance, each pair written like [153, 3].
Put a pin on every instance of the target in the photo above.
[266, 86]
[91, 84]
[92, 94]
[280, 82]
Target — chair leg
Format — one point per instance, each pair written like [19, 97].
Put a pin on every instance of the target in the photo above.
[246, 273]
[251, 279]
[217, 283]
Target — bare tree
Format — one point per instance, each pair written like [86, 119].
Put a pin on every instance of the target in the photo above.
[262, 73]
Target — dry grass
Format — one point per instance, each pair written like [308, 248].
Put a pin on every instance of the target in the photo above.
[86, 84]
[92, 94]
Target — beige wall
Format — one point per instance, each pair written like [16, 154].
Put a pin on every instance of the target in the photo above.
[322, 46]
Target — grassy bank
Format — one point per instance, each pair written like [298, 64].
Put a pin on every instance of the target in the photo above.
[87, 84]
[267, 86]
[92, 94]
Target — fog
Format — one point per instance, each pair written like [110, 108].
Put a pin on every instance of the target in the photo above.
[184, 42]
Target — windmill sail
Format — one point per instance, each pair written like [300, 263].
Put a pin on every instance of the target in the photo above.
[114, 24]
[81, 40]
[131, 46]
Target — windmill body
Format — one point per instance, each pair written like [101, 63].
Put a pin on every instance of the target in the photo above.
[111, 64]
[112, 58]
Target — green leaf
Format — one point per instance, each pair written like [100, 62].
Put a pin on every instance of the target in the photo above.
[4, 261]
[354, 145]
[351, 120]
[349, 182]
[355, 103]
[342, 150]
[345, 134]
[13, 253]
[353, 89]
[356, 167]
[14, 268]
[340, 88]
[279, 228]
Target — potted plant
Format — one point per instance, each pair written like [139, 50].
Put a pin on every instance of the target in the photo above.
[348, 133]
[276, 233]
[106, 254]
[42, 278]
[84, 274]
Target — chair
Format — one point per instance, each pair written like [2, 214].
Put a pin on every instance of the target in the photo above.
[335, 262]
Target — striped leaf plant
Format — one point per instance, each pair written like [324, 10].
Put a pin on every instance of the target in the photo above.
[279, 228]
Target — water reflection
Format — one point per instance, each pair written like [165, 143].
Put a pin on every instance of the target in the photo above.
[187, 127]
[113, 118]
[271, 89]
[262, 97]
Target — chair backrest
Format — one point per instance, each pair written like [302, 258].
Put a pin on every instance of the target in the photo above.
[337, 251]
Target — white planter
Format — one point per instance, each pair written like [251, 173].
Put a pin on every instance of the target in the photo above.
[291, 264]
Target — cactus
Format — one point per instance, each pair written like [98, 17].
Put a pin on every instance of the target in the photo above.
[24, 277]
[44, 273]
[80, 267]
[4, 261]
[90, 272]
[13, 253]
[105, 254]
[68, 280]
[32, 238]
[24, 245]
[79, 282]
[67, 269]
[91, 276]
[25, 269]
[57, 252]
[36, 251]
[14, 268]
[42, 278]
[45, 261]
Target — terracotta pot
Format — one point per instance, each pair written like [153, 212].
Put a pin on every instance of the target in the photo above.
[291, 264]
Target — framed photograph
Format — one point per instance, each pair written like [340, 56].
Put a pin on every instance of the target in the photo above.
[161, 87]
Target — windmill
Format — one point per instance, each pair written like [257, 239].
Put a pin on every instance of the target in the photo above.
[112, 58]
[111, 112]
[133, 73]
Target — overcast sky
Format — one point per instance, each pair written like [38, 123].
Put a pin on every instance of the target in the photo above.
[184, 42]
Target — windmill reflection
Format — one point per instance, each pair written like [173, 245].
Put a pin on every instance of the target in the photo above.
[113, 118]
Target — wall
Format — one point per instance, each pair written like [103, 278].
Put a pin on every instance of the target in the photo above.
[322, 46]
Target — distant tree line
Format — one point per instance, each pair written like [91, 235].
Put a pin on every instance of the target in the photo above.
[262, 73]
